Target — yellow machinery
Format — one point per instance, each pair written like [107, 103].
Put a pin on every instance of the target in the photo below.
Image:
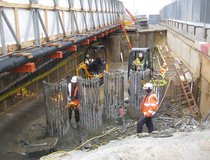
[129, 23]
[96, 66]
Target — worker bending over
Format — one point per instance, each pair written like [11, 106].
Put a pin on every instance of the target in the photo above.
[73, 100]
[139, 62]
[148, 107]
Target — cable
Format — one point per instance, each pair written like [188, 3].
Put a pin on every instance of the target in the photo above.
[166, 89]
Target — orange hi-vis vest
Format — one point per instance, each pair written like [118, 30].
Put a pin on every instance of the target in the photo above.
[163, 71]
[149, 105]
[76, 101]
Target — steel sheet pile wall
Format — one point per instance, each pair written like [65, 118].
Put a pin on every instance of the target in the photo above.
[159, 90]
[57, 119]
[90, 108]
[113, 93]
[136, 91]
[136, 87]
[187, 11]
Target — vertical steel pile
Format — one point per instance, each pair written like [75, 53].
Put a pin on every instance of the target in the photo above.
[159, 90]
[113, 93]
[136, 91]
[146, 75]
[90, 109]
[57, 119]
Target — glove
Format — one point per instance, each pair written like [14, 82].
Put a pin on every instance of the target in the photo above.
[153, 114]
[147, 114]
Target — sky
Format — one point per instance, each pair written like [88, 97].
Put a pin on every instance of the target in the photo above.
[139, 7]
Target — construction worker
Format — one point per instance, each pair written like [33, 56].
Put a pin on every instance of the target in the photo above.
[73, 101]
[139, 62]
[148, 107]
[163, 70]
[88, 60]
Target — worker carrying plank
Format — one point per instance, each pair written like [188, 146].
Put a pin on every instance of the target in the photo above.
[73, 100]
[148, 106]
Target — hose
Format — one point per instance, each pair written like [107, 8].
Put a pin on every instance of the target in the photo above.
[166, 90]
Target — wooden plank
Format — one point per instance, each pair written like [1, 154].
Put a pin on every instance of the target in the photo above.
[94, 38]
[86, 42]
[39, 6]
[17, 26]
[58, 54]
[46, 20]
[106, 33]
[73, 48]
[101, 35]
[13, 5]
[28, 67]
[63, 18]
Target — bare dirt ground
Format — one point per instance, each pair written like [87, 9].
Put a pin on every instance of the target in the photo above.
[26, 123]
[182, 145]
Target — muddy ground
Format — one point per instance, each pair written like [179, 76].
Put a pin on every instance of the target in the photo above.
[26, 123]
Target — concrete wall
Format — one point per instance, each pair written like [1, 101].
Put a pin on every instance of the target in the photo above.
[205, 86]
[197, 62]
[185, 52]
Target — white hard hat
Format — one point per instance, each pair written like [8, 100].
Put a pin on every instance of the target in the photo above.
[164, 64]
[148, 86]
[140, 55]
[74, 79]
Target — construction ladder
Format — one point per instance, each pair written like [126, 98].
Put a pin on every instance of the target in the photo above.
[187, 91]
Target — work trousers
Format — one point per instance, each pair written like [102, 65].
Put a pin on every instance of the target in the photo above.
[149, 124]
[76, 114]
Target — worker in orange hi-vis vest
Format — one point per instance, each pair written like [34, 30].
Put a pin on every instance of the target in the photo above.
[73, 100]
[163, 70]
[148, 107]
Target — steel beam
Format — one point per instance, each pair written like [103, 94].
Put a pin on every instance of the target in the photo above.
[97, 12]
[57, 21]
[91, 13]
[36, 27]
[102, 9]
[43, 26]
[61, 23]
[34, 1]
[10, 28]
[3, 43]
[71, 4]
[28, 25]
[84, 15]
